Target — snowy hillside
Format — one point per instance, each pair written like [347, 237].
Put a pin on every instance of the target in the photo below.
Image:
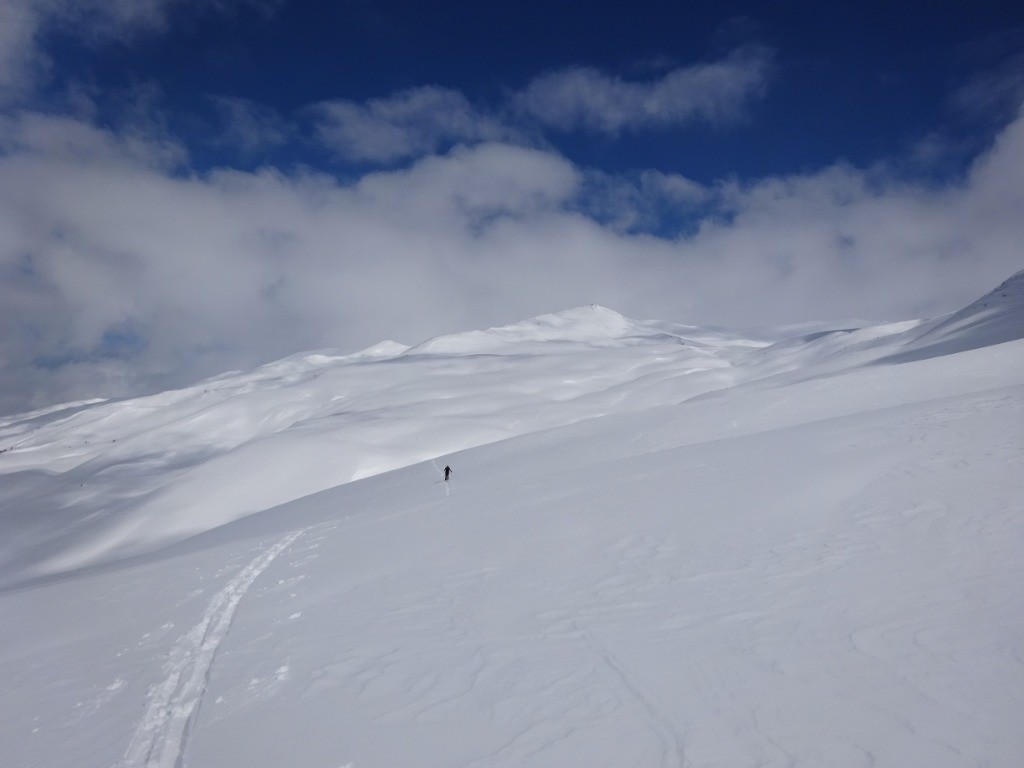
[993, 319]
[661, 546]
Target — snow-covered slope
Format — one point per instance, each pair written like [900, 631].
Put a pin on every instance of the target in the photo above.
[996, 317]
[661, 545]
[139, 473]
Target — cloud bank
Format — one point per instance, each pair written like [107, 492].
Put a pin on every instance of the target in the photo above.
[123, 269]
[119, 273]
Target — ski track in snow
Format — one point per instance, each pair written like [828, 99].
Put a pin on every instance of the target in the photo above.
[162, 734]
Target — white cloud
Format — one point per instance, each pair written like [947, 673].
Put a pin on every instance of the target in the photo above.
[97, 242]
[407, 124]
[585, 98]
[846, 242]
[427, 119]
[57, 139]
[119, 273]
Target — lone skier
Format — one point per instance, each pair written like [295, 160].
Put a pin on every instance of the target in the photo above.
[447, 472]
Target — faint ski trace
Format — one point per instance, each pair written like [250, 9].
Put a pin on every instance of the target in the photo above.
[163, 732]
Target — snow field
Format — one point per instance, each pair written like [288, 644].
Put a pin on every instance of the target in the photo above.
[702, 609]
[661, 547]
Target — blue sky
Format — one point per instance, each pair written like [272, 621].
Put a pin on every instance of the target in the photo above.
[190, 186]
[859, 82]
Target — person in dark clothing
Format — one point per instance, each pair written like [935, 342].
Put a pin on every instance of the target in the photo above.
[447, 473]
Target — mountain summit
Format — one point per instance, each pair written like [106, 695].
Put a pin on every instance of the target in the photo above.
[583, 325]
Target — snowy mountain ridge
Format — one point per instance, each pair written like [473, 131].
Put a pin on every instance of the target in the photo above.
[996, 317]
[313, 420]
[592, 324]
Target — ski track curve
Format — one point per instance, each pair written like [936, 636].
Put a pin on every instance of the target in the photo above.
[162, 735]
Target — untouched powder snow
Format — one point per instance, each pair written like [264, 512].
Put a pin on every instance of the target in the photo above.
[661, 546]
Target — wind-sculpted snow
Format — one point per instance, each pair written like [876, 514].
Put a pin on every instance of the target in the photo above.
[661, 546]
[136, 474]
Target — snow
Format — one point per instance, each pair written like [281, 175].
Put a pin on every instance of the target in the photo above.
[994, 318]
[662, 545]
